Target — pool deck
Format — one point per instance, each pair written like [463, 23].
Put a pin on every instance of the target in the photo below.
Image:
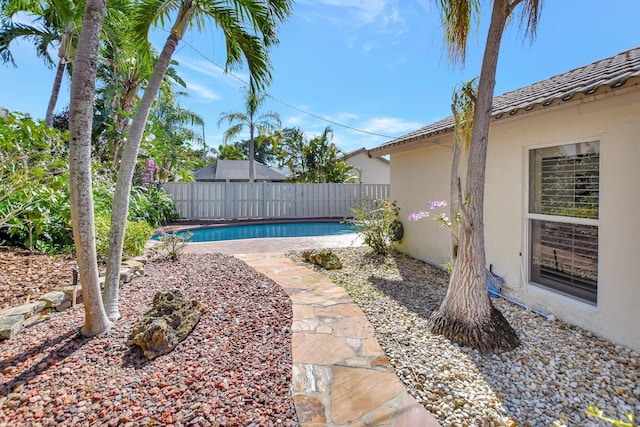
[340, 374]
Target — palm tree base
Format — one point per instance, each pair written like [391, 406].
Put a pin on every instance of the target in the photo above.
[491, 335]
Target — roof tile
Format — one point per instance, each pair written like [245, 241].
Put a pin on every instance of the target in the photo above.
[611, 72]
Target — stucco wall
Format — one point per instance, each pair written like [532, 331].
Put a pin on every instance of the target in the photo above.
[422, 174]
[373, 170]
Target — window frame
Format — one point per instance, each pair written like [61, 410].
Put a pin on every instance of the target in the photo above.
[529, 217]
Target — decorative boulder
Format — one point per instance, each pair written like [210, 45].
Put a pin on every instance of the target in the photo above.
[169, 321]
[324, 258]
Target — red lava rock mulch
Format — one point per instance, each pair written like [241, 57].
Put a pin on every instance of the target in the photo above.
[27, 276]
[234, 369]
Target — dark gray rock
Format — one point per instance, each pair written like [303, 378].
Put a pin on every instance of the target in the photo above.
[170, 320]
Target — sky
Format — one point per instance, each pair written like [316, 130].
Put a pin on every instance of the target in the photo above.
[372, 70]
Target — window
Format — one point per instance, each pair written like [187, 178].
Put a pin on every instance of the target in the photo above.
[564, 183]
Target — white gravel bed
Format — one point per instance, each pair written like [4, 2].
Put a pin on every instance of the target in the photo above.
[550, 379]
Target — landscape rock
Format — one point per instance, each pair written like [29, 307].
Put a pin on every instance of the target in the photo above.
[324, 258]
[10, 325]
[54, 299]
[169, 321]
[26, 310]
[137, 267]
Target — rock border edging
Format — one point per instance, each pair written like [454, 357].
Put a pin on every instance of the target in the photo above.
[14, 319]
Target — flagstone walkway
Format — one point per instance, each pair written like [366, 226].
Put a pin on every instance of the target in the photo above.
[340, 377]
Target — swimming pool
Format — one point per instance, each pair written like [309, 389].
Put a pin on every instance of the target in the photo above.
[258, 231]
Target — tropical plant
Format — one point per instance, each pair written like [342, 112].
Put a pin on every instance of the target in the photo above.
[172, 136]
[171, 245]
[81, 197]
[135, 237]
[231, 152]
[53, 23]
[33, 190]
[462, 107]
[316, 159]
[152, 205]
[466, 314]
[249, 29]
[291, 144]
[258, 126]
[123, 72]
[377, 222]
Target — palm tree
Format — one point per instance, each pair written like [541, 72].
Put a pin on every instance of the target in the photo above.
[259, 126]
[466, 314]
[291, 145]
[54, 23]
[124, 69]
[230, 152]
[173, 133]
[315, 160]
[80, 117]
[462, 107]
[249, 28]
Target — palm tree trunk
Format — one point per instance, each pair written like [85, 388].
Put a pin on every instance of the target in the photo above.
[81, 197]
[53, 100]
[128, 161]
[467, 315]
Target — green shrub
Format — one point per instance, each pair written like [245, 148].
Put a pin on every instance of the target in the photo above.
[135, 237]
[34, 209]
[171, 245]
[377, 223]
[151, 204]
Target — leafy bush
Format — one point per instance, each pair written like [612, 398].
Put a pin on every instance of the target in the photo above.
[151, 204]
[34, 209]
[377, 223]
[135, 237]
[34, 189]
[171, 245]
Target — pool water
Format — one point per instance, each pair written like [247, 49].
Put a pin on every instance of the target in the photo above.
[257, 231]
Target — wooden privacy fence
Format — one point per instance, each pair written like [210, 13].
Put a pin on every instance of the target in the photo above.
[233, 200]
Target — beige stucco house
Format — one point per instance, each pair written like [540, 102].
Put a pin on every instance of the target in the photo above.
[562, 194]
[371, 170]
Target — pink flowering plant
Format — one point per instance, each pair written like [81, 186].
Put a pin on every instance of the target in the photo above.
[431, 206]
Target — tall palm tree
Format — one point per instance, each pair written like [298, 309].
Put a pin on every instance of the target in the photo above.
[54, 23]
[466, 314]
[258, 126]
[249, 28]
[81, 197]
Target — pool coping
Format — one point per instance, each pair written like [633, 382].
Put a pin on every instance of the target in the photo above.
[211, 223]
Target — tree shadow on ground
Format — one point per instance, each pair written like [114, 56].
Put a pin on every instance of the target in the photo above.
[420, 287]
[39, 358]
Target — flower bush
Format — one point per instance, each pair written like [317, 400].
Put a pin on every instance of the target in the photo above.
[377, 222]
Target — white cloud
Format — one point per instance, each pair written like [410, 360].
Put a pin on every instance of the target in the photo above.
[366, 11]
[390, 126]
[343, 116]
[372, 24]
[293, 121]
[203, 92]
[211, 70]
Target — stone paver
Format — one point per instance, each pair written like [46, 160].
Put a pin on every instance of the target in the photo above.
[340, 375]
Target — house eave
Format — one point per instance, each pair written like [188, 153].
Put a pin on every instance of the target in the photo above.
[610, 88]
